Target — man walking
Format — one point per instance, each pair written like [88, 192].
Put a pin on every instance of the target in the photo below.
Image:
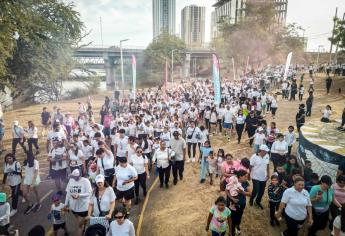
[259, 164]
[309, 104]
[178, 146]
[328, 83]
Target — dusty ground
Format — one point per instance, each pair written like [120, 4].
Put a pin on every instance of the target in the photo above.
[183, 209]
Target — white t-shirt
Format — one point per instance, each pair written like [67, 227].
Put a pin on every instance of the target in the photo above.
[81, 187]
[131, 149]
[57, 154]
[240, 120]
[138, 163]
[259, 167]
[326, 113]
[107, 163]
[122, 174]
[337, 224]
[296, 203]
[121, 146]
[259, 138]
[162, 157]
[30, 173]
[126, 229]
[75, 160]
[57, 217]
[274, 103]
[104, 202]
[13, 179]
[279, 147]
[194, 133]
[32, 132]
[87, 151]
[228, 116]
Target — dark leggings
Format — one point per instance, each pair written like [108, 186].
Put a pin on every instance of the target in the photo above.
[33, 141]
[220, 124]
[320, 221]
[189, 146]
[142, 182]
[269, 106]
[239, 130]
[258, 190]
[251, 132]
[15, 142]
[292, 225]
[236, 217]
[15, 191]
[273, 208]
[274, 110]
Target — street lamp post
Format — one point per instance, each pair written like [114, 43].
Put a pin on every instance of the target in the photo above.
[172, 65]
[318, 56]
[122, 78]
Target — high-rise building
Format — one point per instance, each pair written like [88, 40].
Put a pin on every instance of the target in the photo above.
[234, 11]
[164, 17]
[193, 25]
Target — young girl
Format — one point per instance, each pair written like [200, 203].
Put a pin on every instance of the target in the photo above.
[220, 159]
[275, 193]
[57, 215]
[31, 180]
[212, 166]
[219, 219]
[205, 151]
[13, 177]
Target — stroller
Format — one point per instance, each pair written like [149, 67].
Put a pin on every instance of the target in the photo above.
[97, 226]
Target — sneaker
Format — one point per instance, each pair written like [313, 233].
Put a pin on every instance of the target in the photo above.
[193, 159]
[23, 200]
[237, 231]
[175, 181]
[28, 209]
[167, 185]
[37, 207]
[13, 212]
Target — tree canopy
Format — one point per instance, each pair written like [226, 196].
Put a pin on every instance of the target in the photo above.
[36, 44]
[339, 34]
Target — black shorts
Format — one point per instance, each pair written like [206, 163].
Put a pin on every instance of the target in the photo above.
[127, 195]
[56, 227]
[59, 174]
[80, 214]
[213, 123]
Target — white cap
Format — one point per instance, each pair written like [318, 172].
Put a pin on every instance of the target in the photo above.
[264, 147]
[99, 178]
[15, 123]
[75, 173]
[260, 129]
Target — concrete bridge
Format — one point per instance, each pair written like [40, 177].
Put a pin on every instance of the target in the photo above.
[109, 59]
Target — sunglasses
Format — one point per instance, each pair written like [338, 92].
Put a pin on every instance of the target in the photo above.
[139, 152]
[118, 217]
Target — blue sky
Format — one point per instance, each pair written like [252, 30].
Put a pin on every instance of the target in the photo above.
[133, 19]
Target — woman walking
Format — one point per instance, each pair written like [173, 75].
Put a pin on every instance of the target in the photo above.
[121, 225]
[297, 204]
[240, 123]
[33, 137]
[163, 156]
[140, 164]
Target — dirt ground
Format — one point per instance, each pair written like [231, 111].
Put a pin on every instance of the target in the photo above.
[183, 209]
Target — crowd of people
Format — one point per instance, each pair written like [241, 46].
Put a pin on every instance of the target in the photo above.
[101, 168]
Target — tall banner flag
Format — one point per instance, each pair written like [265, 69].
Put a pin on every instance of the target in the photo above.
[216, 79]
[247, 65]
[233, 68]
[288, 61]
[134, 72]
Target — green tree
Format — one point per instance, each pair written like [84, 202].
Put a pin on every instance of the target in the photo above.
[40, 57]
[339, 34]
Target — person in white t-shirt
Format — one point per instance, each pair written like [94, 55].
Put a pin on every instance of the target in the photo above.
[125, 176]
[121, 225]
[77, 198]
[140, 164]
[228, 121]
[326, 114]
[105, 164]
[13, 178]
[259, 173]
[339, 224]
[58, 159]
[32, 137]
[259, 139]
[102, 201]
[76, 159]
[31, 181]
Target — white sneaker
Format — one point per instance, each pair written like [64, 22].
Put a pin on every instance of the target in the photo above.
[193, 159]
[13, 212]
[23, 200]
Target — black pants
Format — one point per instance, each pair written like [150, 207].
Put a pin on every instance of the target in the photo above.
[292, 226]
[15, 142]
[320, 221]
[292, 96]
[258, 190]
[308, 112]
[236, 217]
[289, 150]
[328, 88]
[142, 182]
[207, 124]
[15, 191]
[33, 141]
[300, 97]
[273, 208]
[239, 130]
[277, 159]
[269, 106]
[189, 146]
[177, 170]
[251, 132]
[164, 175]
[334, 213]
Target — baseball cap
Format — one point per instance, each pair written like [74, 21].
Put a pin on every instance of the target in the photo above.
[260, 129]
[56, 197]
[264, 147]
[99, 178]
[76, 173]
[3, 197]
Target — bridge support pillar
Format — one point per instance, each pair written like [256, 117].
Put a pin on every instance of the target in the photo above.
[109, 64]
[186, 66]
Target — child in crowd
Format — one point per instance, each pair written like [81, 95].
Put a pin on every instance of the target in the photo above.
[92, 170]
[290, 138]
[212, 166]
[220, 159]
[57, 215]
[291, 164]
[205, 151]
[307, 171]
[259, 139]
[5, 210]
[233, 187]
[315, 180]
[219, 219]
[275, 193]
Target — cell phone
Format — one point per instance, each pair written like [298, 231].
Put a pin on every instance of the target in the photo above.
[319, 192]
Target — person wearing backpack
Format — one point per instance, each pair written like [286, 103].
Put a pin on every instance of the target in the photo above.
[13, 178]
